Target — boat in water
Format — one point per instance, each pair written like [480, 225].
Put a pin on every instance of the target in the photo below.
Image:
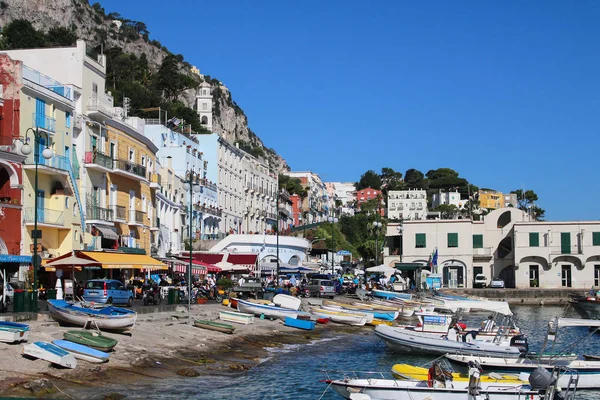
[107, 318]
[12, 332]
[51, 353]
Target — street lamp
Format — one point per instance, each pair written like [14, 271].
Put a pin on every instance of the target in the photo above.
[191, 184]
[47, 153]
[333, 220]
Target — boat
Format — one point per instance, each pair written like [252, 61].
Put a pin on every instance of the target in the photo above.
[286, 301]
[12, 332]
[300, 323]
[107, 318]
[407, 341]
[384, 294]
[50, 352]
[237, 317]
[213, 326]
[91, 338]
[589, 371]
[269, 311]
[369, 316]
[82, 352]
[356, 319]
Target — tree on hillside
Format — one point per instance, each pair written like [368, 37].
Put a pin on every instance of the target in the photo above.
[526, 202]
[20, 34]
[369, 179]
[414, 179]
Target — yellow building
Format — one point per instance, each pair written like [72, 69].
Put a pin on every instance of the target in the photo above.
[121, 182]
[491, 199]
[46, 107]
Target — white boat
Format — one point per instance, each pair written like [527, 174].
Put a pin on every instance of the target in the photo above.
[49, 352]
[237, 317]
[82, 352]
[11, 332]
[589, 371]
[358, 319]
[270, 311]
[407, 341]
[286, 301]
[368, 315]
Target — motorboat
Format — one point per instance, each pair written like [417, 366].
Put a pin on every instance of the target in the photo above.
[357, 319]
[51, 353]
[269, 310]
[407, 341]
[82, 352]
[12, 332]
[107, 318]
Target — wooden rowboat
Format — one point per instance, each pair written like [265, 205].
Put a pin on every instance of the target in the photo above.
[214, 326]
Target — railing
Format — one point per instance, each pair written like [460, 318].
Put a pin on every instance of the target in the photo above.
[133, 168]
[155, 178]
[120, 212]
[136, 216]
[482, 252]
[41, 121]
[99, 159]
[47, 82]
[45, 216]
[99, 213]
[131, 250]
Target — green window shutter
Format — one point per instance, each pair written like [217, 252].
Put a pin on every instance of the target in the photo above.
[565, 242]
[534, 239]
[453, 240]
[420, 240]
[478, 241]
[596, 238]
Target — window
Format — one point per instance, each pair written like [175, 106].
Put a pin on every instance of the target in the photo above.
[534, 239]
[453, 240]
[596, 238]
[477, 241]
[420, 240]
[68, 119]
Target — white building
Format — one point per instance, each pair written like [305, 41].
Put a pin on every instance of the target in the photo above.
[204, 105]
[407, 204]
[505, 244]
[260, 186]
[231, 186]
[448, 198]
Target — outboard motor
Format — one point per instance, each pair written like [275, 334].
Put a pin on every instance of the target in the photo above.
[541, 379]
[520, 341]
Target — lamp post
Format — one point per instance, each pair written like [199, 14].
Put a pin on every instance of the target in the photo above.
[47, 153]
[333, 220]
[191, 184]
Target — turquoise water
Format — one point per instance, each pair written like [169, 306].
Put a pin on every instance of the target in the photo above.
[295, 370]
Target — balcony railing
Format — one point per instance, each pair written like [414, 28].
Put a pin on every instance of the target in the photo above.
[131, 250]
[99, 213]
[136, 216]
[133, 168]
[45, 216]
[98, 159]
[120, 212]
[44, 122]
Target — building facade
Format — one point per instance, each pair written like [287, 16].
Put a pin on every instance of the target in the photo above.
[407, 204]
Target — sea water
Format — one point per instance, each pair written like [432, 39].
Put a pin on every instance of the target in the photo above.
[294, 371]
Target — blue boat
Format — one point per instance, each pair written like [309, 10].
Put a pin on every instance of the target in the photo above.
[82, 352]
[384, 294]
[107, 318]
[300, 323]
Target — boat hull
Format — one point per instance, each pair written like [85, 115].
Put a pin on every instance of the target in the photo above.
[108, 318]
[51, 353]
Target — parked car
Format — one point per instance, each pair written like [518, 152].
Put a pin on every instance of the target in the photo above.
[108, 291]
[321, 288]
[497, 283]
[480, 281]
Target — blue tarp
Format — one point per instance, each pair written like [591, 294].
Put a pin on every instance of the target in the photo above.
[9, 258]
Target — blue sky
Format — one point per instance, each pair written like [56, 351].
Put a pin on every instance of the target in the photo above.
[506, 93]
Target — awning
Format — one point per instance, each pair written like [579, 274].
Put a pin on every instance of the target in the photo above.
[120, 260]
[107, 233]
[9, 258]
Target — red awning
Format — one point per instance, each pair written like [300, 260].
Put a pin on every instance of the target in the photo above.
[248, 260]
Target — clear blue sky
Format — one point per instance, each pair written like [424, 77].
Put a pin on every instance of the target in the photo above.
[507, 93]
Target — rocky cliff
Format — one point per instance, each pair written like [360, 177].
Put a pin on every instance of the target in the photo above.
[94, 25]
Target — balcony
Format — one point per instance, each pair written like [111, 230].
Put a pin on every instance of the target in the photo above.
[44, 122]
[136, 217]
[120, 212]
[94, 213]
[131, 250]
[155, 180]
[482, 252]
[98, 161]
[130, 169]
[46, 216]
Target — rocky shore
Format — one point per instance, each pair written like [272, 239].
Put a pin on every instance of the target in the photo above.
[163, 345]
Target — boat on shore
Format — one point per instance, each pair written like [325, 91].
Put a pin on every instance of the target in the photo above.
[107, 318]
[82, 352]
[214, 326]
[51, 353]
[91, 338]
[12, 332]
